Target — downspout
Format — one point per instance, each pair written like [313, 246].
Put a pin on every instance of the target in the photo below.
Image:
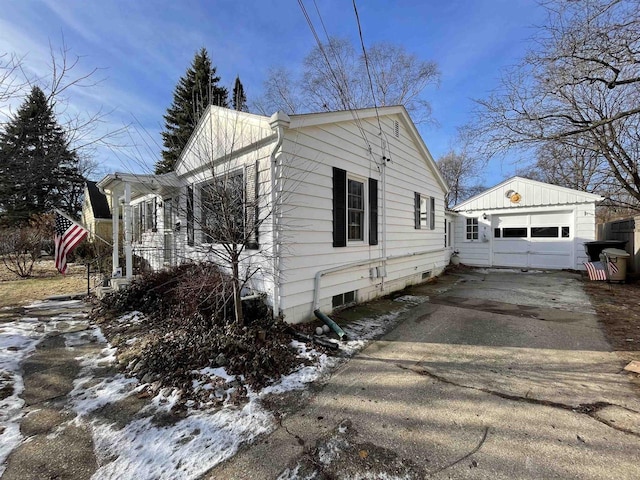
[278, 122]
[362, 263]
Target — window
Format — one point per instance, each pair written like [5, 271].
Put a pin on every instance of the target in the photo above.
[343, 299]
[496, 232]
[421, 213]
[514, 232]
[544, 232]
[355, 210]
[150, 207]
[354, 202]
[222, 209]
[472, 228]
[450, 233]
[169, 217]
[565, 232]
[137, 227]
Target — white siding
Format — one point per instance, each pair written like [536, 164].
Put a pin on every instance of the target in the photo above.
[532, 193]
[310, 154]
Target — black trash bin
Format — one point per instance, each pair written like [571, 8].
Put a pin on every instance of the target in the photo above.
[594, 249]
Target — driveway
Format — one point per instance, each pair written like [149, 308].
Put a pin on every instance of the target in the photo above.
[501, 374]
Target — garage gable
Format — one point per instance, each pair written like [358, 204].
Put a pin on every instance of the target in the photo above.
[518, 192]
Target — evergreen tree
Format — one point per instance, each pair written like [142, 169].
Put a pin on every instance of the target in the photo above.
[38, 170]
[194, 92]
[239, 100]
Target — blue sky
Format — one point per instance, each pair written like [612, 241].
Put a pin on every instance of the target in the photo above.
[144, 46]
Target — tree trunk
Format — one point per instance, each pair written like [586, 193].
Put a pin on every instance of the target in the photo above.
[237, 302]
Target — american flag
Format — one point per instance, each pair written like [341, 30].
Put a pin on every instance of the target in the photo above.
[68, 235]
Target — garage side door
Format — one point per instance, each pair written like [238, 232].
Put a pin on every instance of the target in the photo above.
[543, 240]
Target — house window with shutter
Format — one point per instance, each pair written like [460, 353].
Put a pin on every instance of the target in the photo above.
[421, 212]
[229, 208]
[222, 209]
[355, 209]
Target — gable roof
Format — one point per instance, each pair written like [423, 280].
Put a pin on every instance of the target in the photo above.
[98, 201]
[322, 118]
[532, 193]
[258, 126]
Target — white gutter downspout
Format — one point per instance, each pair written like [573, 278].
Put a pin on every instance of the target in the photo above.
[322, 273]
[278, 122]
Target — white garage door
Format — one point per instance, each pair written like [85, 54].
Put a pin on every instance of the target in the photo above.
[541, 240]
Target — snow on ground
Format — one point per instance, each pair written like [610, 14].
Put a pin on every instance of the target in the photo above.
[143, 449]
[193, 445]
[18, 339]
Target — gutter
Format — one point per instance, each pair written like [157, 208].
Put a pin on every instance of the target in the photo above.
[278, 122]
[362, 263]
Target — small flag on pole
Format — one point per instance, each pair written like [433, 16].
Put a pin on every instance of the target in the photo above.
[67, 236]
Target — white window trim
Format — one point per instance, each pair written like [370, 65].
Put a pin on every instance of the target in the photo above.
[365, 204]
[467, 231]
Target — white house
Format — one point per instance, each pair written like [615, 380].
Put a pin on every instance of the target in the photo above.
[337, 207]
[526, 224]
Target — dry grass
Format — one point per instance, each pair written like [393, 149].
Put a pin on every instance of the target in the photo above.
[618, 308]
[46, 281]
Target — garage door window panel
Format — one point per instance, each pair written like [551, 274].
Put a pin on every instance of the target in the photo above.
[517, 232]
[545, 232]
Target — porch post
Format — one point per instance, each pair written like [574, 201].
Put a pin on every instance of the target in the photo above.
[115, 222]
[127, 231]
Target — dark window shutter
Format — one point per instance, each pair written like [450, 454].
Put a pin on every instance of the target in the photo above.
[190, 226]
[251, 206]
[373, 211]
[432, 214]
[416, 210]
[155, 215]
[339, 207]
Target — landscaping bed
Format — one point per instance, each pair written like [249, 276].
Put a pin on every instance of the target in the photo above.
[175, 330]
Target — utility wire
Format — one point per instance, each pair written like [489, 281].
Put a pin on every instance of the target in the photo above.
[343, 93]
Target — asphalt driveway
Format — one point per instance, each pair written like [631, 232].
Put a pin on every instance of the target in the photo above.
[500, 374]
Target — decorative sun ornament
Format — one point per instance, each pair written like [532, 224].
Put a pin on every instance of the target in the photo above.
[514, 196]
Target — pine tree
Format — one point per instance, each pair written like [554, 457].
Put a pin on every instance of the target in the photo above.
[239, 100]
[194, 92]
[38, 170]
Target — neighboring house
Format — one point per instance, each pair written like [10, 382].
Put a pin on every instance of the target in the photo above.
[523, 223]
[96, 212]
[336, 207]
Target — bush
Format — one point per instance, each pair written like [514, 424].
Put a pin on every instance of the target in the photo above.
[186, 330]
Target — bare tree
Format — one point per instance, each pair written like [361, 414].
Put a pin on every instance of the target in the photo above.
[462, 172]
[577, 88]
[334, 77]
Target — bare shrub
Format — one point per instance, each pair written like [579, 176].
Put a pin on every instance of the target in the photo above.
[22, 246]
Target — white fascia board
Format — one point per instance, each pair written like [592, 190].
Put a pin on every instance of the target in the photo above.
[589, 197]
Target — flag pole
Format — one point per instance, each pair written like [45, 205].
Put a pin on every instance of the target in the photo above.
[61, 213]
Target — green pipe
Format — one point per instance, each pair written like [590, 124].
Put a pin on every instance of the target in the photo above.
[332, 325]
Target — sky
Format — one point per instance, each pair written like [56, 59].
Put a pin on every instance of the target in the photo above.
[143, 47]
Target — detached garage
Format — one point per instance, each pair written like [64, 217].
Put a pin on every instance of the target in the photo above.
[523, 223]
